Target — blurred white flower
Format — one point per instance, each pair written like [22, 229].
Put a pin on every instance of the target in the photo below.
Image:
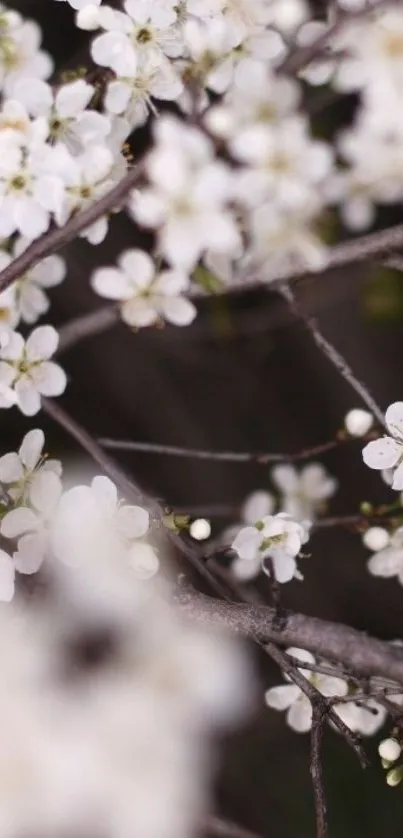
[20, 53]
[303, 493]
[388, 561]
[375, 538]
[145, 294]
[188, 199]
[365, 718]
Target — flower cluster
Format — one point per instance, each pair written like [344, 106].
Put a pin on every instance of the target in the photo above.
[83, 525]
[363, 717]
[301, 495]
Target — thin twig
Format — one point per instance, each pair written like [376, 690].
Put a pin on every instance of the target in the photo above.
[131, 490]
[364, 248]
[333, 354]
[260, 458]
[58, 237]
[317, 773]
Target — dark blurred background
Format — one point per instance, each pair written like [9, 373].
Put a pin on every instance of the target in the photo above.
[246, 376]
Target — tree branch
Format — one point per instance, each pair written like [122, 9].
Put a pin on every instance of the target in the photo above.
[364, 655]
[317, 773]
[58, 237]
[220, 456]
[132, 492]
[333, 355]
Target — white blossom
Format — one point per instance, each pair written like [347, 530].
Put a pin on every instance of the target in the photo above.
[277, 537]
[90, 522]
[20, 53]
[143, 29]
[65, 113]
[26, 299]
[146, 295]
[25, 366]
[188, 198]
[303, 493]
[29, 524]
[387, 452]
[388, 561]
[255, 507]
[29, 191]
[291, 698]
[132, 95]
[20, 470]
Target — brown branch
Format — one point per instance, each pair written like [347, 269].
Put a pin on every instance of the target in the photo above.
[317, 773]
[364, 248]
[131, 491]
[333, 355]
[362, 654]
[58, 237]
[220, 456]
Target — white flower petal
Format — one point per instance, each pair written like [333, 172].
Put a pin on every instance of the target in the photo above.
[281, 698]
[256, 506]
[45, 491]
[178, 310]
[387, 562]
[299, 716]
[144, 561]
[49, 379]
[18, 521]
[112, 284]
[394, 419]
[382, 453]
[132, 521]
[10, 468]
[28, 398]
[106, 494]
[30, 553]
[247, 543]
[285, 478]
[138, 266]
[42, 343]
[31, 448]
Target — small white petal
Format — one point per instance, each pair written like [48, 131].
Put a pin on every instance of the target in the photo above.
[257, 506]
[394, 419]
[31, 448]
[144, 561]
[382, 453]
[18, 521]
[42, 343]
[299, 716]
[30, 553]
[132, 521]
[376, 538]
[112, 284]
[10, 468]
[281, 698]
[49, 379]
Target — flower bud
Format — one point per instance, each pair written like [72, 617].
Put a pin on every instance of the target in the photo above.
[389, 750]
[358, 422]
[376, 538]
[395, 776]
